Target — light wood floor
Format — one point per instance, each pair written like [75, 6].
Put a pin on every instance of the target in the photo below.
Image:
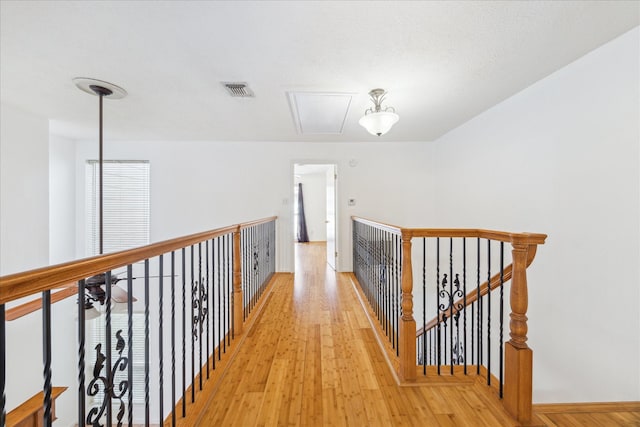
[311, 359]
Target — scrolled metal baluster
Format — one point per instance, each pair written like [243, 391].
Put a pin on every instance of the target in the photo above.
[444, 304]
[121, 363]
[97, 383]
[451, 344]
[458, 345]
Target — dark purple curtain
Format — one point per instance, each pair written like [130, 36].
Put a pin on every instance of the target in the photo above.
[302, 221]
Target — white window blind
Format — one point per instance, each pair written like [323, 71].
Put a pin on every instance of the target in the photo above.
[125, 205]
[125, 226]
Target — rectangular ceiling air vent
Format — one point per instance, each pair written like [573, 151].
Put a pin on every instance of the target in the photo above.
[238, 89]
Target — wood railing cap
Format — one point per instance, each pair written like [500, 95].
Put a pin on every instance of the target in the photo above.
[18, 285]
[503, 236]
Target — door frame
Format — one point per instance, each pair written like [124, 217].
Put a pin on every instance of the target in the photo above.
[293, 200]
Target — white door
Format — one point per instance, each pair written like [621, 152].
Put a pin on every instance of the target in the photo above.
[331, 216]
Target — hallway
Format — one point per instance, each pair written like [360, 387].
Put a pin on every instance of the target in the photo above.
[311, 359]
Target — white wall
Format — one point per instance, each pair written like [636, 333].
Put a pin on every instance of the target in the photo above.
[62, 203]
[314, 189]
[24, 190]
[24, 235]
[200, 185]
[24, 244]
[562, 158]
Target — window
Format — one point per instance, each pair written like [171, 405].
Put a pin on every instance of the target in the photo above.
[126, 205]
[125, 226]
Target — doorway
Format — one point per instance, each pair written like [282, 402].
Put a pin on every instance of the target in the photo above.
[318, 184]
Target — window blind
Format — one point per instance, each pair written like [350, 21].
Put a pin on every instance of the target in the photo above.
[125, 205]
[126, 226]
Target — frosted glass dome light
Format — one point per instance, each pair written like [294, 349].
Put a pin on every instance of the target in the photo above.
[378, 120]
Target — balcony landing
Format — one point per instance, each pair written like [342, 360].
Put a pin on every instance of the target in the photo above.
[312, 359]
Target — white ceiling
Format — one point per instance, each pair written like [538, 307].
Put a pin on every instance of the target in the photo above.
[442, 62]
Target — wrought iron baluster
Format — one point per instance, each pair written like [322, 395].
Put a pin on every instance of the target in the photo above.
[488, 312]
[194, 295]
[109, 385]
[206, 256]
[451, 298]
[161, 335]
[184, 332]
[219, 299]
[479, 314]
[81, 355]
[437, 299]
[130, 343]
[46, 355]
[230, 287]
[214, 269]
[201, 313]
[501, 317]
[464, 298]
[146, 342]
[173, 338]
[396, 314]
[225, 282]
[3, 363]
[424, 304]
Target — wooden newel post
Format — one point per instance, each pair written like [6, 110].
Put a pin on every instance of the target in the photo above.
[518, 384]
[238, 309]
[407, 327]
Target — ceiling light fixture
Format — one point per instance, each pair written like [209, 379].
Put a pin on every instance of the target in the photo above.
[378, 120]
[101, 89]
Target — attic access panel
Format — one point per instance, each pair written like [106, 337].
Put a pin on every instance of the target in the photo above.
[319, 113]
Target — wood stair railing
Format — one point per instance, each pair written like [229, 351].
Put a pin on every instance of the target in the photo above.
[30, 413]
[518, 357]
[474, 295]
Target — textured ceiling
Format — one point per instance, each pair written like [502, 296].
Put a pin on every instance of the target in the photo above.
[441, 62]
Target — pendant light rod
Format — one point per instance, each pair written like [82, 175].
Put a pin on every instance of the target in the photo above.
[102, 90]
[100, 185]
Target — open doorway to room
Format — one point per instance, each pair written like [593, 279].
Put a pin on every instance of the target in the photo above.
[314, 208]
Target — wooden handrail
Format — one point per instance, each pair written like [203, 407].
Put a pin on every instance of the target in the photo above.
[381, 225]
[15, 286]
[473, 295]
[256, 222]
[21, 310]
[502, 236]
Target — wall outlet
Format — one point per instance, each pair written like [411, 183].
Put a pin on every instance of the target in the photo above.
[352, 202]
